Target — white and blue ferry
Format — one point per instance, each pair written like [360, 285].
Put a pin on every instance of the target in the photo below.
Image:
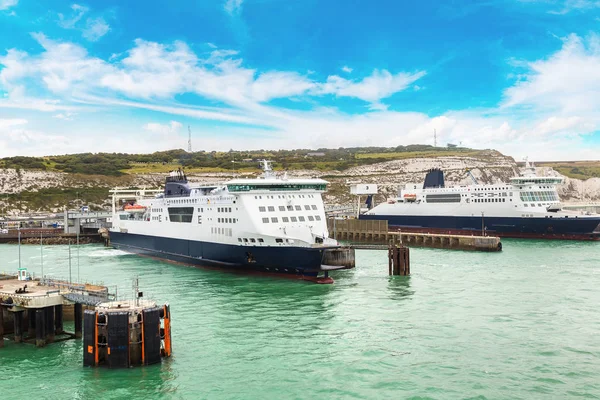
[527, 206]
[270, 224]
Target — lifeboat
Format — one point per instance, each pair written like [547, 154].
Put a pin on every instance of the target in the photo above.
[134, 208]
[410, 197]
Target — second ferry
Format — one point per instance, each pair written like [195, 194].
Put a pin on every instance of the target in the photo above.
[527, 206]
[271, 224]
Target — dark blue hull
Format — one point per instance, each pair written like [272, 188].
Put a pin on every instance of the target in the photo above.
[298, 261]
[544, 228]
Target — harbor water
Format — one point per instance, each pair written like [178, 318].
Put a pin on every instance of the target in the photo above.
[520, 324]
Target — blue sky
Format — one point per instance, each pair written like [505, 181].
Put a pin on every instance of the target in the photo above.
[520, 76]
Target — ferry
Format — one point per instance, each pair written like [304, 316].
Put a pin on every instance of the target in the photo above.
[269, 224]
[528, 206]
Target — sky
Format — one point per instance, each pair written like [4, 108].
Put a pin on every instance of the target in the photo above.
[519, 76]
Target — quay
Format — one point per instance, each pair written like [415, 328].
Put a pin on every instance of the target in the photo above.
[49, 236]
[375, 235]
[33, 311]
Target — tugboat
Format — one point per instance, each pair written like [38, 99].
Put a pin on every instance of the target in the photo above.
[527, 206]
[270, 224]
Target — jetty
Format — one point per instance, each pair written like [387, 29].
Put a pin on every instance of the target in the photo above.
[376, 235]
[33, 310]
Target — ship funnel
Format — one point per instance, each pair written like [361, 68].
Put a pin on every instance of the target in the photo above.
[434, 179]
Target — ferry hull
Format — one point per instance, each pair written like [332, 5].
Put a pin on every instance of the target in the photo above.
[530, 228]
[292, 262]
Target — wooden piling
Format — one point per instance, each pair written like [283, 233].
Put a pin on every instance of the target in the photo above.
[399, 260]
[18, 315]
[40, 327]
[58, 319]
[49, 324]
[78, 320]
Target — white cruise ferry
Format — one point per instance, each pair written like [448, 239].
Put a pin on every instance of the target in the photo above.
[270, 224]
[527, 206]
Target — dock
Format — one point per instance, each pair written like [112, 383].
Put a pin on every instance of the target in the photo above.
[33, 310]
[375, 235]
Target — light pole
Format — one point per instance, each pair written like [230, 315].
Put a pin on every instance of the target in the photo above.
[482, 225]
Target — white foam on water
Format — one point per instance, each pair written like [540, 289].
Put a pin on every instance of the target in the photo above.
[108, 253]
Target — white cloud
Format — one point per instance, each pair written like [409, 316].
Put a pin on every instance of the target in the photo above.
[373, 88]
[347, 69]
[233, 6]
[576, 5]
[95, 29]
[565, 83]
[66, 116]
[549, 104]
[74, 18]
[6, 4]
[7, 123]
[171, 128]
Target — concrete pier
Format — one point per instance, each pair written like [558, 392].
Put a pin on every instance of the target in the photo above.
[36, 313]
[372, 234]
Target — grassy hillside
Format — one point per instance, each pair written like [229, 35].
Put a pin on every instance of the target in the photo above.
[118, 164]
[575, 169]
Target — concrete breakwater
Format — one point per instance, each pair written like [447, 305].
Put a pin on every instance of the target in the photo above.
[51, 239]
[374, 234]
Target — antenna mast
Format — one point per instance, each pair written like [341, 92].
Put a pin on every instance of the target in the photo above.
[434, 138]
[189, 139]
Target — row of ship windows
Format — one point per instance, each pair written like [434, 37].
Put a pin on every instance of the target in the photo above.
[289, 208]
[492, 188]
[156, 210]
[282, 196]
[292, 219]
[222, 231]
[261, 240]
[252, 240]
[539, 196]
[227, 220]
[490, 200]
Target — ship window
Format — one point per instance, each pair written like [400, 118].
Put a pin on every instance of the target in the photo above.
[298, 208]
[274, 220]
[313, 207]
[290, 208]
[261, 240]
[281, 208]
[265, 220]
[443, 198]
[525, 205]
[318, 217]
[239, 239]
[253, 240]
[181, 214]
[245, 240]
[271, 208]
[262, 209]
[285, 219]
[123, 216]
[294, 219]
[279, 240]
[301, 218]
[307, 207]
[311, 218]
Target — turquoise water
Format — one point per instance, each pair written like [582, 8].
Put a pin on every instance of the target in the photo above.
[522, 324]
